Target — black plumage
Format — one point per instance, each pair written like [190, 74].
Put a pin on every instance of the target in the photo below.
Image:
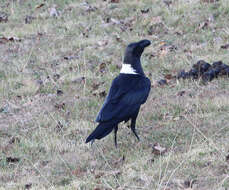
[128, 91]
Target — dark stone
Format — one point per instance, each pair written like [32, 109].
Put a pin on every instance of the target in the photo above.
[3, 17]
[194, 73]
[199, 63]
[205, 70]
[29, 19]
[211, 74]
[12, 159]
[223, 69]
[201, 67]
[208, 76]
[226, 71]
[216, 71]
[59, 92]
[205, 67]
[182, 74]
[162, 82]
[217, 63]
[28, 186]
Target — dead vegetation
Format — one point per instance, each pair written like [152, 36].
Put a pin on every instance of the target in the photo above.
[57, 59]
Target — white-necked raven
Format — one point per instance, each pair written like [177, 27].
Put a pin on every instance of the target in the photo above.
[128, 91]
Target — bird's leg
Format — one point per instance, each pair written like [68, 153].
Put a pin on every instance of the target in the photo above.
[133, 122]
[115, 135]
[92, 141]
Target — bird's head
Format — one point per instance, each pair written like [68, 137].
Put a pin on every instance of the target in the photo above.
[132, 64]
[135, 50]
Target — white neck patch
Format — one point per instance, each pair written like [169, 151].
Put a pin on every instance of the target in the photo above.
[127, 69]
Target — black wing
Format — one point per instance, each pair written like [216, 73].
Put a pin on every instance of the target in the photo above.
[124, 98]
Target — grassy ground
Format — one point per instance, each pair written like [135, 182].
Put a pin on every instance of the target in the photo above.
[77, 51]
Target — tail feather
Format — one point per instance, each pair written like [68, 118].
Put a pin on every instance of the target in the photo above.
[102, 130]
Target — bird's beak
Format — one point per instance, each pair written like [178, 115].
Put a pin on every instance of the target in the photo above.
[144, 43]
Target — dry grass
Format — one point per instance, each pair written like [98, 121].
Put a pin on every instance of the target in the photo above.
[46, 131]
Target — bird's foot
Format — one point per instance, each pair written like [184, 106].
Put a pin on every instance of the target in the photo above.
[92, 141]
[136, 135]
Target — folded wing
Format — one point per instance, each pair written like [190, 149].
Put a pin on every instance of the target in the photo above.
[123, 101]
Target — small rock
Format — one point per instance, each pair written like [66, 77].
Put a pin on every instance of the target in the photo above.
[14, 140]
[56, 77]
[40, 82]
[168, 2]
[28, 186]
[227, 158]
[59, 92]
[217, 64]
[210, 75]
[60, 106]
[115, 1]
[181, 93]
[144, 11]
[29, 19]
[12, 159]
[5, 109]
[226, 46]
[201, 66]
[158, 149]
[88, 7]
[71, 57]
[3, 17]
[189, 183]
[53, 12]
[226, 72]
[79, 80]
[182, 74]
[162, 82]
[194, 73]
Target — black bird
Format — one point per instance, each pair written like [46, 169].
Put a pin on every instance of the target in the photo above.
[128, 91]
